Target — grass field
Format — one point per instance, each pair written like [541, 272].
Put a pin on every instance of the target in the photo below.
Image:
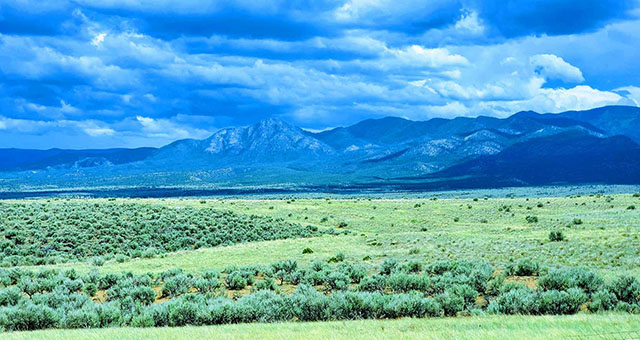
[601, 232]
[609, 326]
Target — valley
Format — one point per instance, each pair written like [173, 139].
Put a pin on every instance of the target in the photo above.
[437, 260]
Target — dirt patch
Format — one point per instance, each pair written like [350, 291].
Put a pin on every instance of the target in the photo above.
[529, 281]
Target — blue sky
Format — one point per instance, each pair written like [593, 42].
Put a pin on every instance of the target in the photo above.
[124, 73]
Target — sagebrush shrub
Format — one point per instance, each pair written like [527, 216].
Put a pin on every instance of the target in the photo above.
[626, 288]
[83, 318]
[527, 267]
[602, 300]
[556, 236]
[450, 302]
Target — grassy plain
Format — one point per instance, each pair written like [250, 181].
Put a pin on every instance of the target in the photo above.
[601, 232]
[581, 326]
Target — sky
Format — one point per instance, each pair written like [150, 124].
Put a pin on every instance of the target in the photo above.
[123, 73]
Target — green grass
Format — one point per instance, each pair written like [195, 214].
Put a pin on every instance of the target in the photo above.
[582, 326]
[606, 241]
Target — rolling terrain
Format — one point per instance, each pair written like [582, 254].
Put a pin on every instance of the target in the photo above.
[361, 268]
[527, 148]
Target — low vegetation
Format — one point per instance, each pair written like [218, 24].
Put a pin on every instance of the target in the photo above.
[285, 291]
[149, 263]
[58, 231]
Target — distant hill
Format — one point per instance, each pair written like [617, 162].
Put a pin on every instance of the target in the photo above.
[20, 159]
[593, 146]
[557, 159]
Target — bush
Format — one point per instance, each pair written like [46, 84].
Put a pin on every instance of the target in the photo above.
[409, 305]
[91, 289]
[97, 261]
[143, 320]
[602, 300]
[159, 312]
[527, 267]
[531, 219]
[287, 266]
[515, 301]
[451, 303]
[355, 272]
[266, 284]
[414, 267]
[375, 283]
[30, 317]
[494, 285]
[235, 281]
[563, 279]
[561, 302]
[405, 283]
[10, 296]
[184, 312]
[338, 258]
[351, 305]
[388, 266]
[149, 253]
[264, 306]
[623, 307]
[625, 288]
[108, 313]
[466, 292]
[82, 318]
[176, 285]
[309, 305]
[337, 281]
[307, 251]
[480, 276]
[556, 236]
[205, 285]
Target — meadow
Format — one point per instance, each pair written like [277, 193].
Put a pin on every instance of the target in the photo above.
[361, 258]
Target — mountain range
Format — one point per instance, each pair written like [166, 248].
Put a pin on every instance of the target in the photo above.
[528, 148]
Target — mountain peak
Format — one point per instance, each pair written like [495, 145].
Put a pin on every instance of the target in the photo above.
[271, 138]
[272, 121]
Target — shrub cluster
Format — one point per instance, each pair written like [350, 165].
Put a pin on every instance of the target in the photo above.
[38, 233]
[343, 291]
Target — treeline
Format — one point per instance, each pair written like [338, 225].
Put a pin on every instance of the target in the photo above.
[321, 291]
[39, 233]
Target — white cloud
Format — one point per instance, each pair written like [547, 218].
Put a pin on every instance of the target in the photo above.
[94, 132]
[578, 98]
[631, 92]
[418, 56]
[554, 67]
[168, 129]
[470, 22]
[98, 39]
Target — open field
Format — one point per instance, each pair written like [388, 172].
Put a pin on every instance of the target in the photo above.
[601, 232]
[383, 258]
[495, 327]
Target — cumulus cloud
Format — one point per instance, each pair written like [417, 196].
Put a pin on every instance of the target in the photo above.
[135, 73]
[470, 22]
[416, 55]
[630, 92]
[165, 128]
[554, 67]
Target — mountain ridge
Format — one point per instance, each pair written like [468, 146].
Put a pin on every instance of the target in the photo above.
[275, 151]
